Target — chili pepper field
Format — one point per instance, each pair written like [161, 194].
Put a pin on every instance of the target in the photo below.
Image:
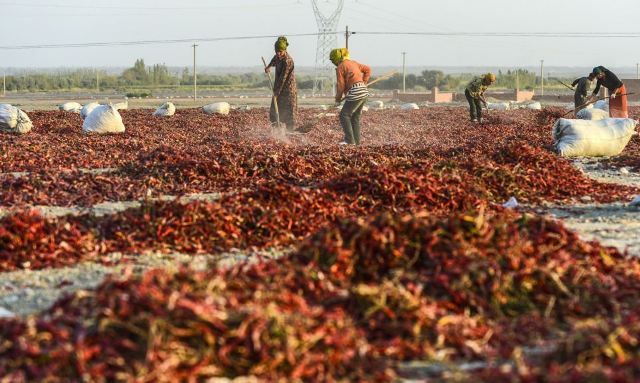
[199, 247]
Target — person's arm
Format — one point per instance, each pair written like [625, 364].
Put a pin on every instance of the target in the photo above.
[340, 84]
[483, 99]
[597, 89]
[575, 82]
[614, 93]
[282, 79]
[366, 73]
[272, 63]
[614, 82]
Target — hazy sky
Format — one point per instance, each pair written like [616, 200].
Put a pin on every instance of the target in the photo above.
[29, 22]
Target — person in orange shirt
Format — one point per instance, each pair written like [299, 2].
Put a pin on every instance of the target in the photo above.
[352, 78]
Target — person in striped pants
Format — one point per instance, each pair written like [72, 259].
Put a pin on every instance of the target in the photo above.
[352, 78]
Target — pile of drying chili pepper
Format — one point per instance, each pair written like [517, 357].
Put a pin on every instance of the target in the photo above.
[356, 299]
[403, 252]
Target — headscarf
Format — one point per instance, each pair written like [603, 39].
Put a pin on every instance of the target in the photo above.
[281, 44]
[338, 55]
[597, 70]
[490, 77]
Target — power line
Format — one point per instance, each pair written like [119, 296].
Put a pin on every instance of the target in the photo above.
[151, 42]
[150, 8]
[509, 34]
[325, 32]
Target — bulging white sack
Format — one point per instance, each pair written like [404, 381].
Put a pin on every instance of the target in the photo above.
[410, 106]
[536, 105]
[498, 106]
[122, 105]
[587, 138]
[72, 107]
[376, 105]
[602, 104]
[14, 120]
[592, 114]
[87, 109]
[104, 119]
[217, 108]
[165, 110]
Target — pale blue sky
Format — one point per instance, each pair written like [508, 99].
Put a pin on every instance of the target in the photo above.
[27, 22]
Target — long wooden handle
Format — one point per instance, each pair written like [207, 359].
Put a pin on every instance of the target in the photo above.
[594, 101]
[268, 74]
[273, 95]
[383, 77]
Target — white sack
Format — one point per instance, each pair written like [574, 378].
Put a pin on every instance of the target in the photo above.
[72, 107]
[121, 105]
[592, 114]
[586, 138]
[410, 106]
[165, 110]
[376, 105]
[602, 104]
[14, 120]
[536, 105]
[217, 108]
[498, 106]
[104, 119]
[87, 109]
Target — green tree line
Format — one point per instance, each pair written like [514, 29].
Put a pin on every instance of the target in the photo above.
[158, 76]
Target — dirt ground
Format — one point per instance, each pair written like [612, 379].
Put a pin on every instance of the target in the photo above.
[616, 224]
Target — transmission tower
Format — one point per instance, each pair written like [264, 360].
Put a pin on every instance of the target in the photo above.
[327, 40]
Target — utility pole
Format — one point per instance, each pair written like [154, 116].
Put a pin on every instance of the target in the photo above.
[346, 38]
[4, 84]
[97, 81]
[542, 77]
[404, 72]
[517, 80]
[638, 71]
[195, 74]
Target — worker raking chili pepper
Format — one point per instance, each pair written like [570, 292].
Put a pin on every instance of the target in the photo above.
[475, 95]
[352, 78]
[285, 89]
[618, 104]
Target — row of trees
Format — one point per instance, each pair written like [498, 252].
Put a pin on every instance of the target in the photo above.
[138, 75]
[159, 75]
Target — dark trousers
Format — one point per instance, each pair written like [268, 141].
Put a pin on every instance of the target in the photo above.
[475, 106]
[350, 120]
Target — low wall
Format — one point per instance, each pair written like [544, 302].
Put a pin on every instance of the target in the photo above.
[515, 95]
[435, 96]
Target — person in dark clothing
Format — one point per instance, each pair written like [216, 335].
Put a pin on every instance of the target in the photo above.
[474, 92]
[285, 88]
[581, 96]
[618, 103]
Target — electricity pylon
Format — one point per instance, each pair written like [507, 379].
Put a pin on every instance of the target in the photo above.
[327, 40]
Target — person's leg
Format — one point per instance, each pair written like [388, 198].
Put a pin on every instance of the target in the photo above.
[478, 110]
[355, 119]
[472, 105]
[285, 108]
[345, 120]
[272, 112]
